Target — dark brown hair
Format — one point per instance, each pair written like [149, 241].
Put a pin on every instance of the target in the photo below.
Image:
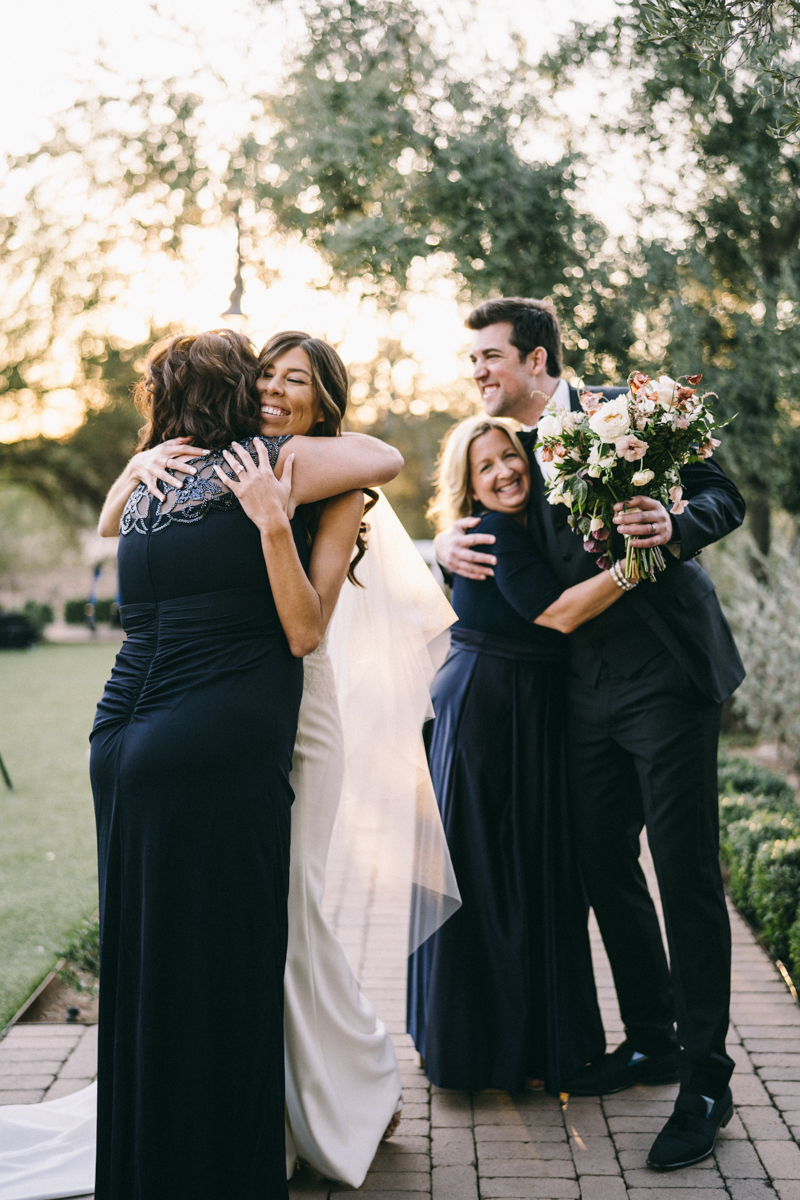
[534, 324]
[202, 386]
[329, 377]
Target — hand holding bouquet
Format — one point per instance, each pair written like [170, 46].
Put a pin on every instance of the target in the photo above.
[615, 449]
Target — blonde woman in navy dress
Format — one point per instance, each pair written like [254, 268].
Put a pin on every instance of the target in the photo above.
[503, 993]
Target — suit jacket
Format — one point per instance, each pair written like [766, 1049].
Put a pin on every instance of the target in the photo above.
[679, 612]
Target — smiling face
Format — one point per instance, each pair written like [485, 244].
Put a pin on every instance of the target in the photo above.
[510, 386]
[499, 478]
[289, 399]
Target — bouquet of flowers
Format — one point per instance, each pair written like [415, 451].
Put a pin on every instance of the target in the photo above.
[615, 449]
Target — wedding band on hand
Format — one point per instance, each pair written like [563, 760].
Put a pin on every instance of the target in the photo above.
[652, 529]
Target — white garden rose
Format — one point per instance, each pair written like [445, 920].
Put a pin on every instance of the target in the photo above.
[610, 420]
[550, 424]
[667, 391]
[560, 498]
[642, 477]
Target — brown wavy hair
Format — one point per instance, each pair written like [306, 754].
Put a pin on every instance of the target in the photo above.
[202, 386]
[332, 386]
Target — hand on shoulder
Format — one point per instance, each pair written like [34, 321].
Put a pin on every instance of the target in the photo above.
[454, 550]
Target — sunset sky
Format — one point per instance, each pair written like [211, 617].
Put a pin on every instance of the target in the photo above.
[55, 53]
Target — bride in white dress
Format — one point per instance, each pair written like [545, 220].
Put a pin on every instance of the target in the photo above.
[358, 753]
[342, 1078]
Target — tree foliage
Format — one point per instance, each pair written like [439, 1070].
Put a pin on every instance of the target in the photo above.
[117, 178]
[74, 473]
[384, 156]
[721, 297]
[729, 36]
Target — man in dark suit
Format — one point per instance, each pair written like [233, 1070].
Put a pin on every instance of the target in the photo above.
[648, 678]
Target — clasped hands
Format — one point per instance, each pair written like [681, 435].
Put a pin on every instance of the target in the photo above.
[651, 525]
[148, 466]
[263, 497]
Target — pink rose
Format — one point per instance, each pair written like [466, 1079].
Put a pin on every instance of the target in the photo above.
[708, 447]
[630, 447]
[678, 504]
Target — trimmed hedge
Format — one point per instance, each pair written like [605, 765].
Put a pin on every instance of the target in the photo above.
[75, 611]
[739, 776]
[760, 848]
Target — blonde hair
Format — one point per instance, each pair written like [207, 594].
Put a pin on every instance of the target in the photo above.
[451, 499]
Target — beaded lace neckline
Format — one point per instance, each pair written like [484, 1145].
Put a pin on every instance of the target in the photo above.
[193, 496]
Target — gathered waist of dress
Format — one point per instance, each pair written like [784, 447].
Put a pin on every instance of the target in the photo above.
[233, 612]
[501, 647]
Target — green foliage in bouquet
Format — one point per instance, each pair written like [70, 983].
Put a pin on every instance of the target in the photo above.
[633, 445]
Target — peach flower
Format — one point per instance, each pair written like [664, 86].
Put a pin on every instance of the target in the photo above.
[630, 448]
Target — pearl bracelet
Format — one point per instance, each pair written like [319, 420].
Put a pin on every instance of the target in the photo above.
[618, 575]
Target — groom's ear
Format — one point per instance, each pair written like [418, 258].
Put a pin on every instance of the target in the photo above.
[537, 360]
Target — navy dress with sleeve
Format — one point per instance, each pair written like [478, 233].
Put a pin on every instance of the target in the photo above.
[504, 990]
[191, 753]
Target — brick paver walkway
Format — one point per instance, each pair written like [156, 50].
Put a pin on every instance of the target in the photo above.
[456, 1146]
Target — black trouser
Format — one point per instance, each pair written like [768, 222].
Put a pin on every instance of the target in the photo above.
[644, 751]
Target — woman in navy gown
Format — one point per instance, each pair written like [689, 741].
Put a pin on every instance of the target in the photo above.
[503, 994]
[191, 754]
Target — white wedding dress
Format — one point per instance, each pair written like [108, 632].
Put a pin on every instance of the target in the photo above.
[359, 753]
[342, 1078]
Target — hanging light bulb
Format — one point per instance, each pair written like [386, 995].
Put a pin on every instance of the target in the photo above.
[234, 308]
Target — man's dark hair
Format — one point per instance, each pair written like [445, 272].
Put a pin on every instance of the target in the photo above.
[534, 324]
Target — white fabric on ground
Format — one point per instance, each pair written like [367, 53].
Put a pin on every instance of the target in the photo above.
[47, 1150]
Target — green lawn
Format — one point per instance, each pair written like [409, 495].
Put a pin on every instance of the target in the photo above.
[48, 870]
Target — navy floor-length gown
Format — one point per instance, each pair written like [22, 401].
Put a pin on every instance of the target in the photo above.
[191, 753]
[504, 990]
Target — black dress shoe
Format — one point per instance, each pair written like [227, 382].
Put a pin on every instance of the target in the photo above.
[617, 1071]
[690, 1134]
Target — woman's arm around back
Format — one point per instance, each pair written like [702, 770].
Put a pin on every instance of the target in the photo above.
[529, 586]
[329, 466]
